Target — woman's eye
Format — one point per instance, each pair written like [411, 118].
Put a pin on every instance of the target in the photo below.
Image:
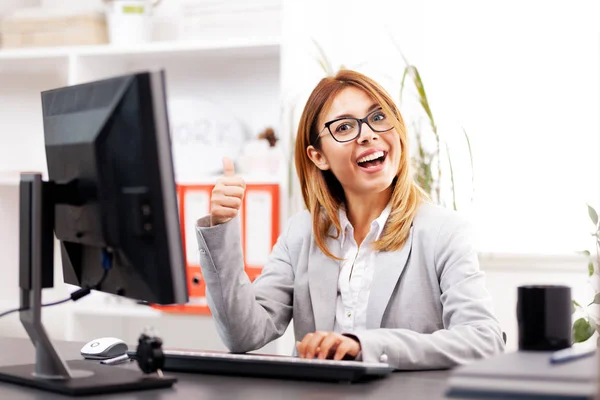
[378, 117]
[344, 128]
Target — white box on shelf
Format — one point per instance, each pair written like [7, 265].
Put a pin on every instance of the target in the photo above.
[129, 21]
[202, 19]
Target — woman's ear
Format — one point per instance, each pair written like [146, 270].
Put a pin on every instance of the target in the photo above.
[317, 158]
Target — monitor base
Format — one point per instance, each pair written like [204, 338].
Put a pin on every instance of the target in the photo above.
[104, 379]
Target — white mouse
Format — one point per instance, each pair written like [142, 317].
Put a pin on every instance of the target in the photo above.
[103, 348]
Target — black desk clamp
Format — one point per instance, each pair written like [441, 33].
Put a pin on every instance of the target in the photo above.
[149, 354]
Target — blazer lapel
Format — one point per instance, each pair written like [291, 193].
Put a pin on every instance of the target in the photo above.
[388, 268]
[323, 273]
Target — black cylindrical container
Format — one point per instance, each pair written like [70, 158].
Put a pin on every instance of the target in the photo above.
[544, 317]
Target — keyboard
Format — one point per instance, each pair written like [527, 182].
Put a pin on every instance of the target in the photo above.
[270, 366]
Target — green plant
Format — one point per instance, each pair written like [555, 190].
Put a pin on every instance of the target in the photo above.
[584, 327]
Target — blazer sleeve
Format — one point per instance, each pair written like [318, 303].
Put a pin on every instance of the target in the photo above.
[248, 315]
[471, 330]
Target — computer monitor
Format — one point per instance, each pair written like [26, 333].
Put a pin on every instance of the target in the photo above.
[111, 201]
[112, 137]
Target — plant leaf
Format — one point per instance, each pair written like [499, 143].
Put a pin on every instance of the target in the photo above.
[591, 268]
[585, 252]
[323, 60]
[470, 159]
[323, 66]
[596, 299]
[423, 97]
[451, 177]
[592, 323]
[574, 306]
[402, 83]
[593, 215]
[582, 330]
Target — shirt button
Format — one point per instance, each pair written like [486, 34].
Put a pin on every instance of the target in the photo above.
[349, 314]
[202, 251]
[383, 358]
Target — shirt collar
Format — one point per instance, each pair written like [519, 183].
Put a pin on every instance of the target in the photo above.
[377, 224]
[347, 228]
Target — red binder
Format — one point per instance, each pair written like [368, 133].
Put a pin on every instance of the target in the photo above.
[259, 217]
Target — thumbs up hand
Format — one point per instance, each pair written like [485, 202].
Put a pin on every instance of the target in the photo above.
[227, 195]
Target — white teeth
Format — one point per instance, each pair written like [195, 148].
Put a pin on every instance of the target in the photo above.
[371, 157]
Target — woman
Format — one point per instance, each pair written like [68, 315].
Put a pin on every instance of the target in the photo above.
[371, 271]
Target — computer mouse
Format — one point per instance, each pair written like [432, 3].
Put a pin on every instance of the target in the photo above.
[103, 348]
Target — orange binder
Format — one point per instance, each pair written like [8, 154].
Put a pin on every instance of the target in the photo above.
[260, 225]
[259, 217]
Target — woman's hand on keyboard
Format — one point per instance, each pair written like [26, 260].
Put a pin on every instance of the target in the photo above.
[328, 345]
[227, 195]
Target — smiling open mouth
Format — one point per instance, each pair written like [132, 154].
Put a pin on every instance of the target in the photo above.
[372, 160]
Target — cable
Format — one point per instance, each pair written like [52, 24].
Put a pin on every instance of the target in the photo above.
[43, 305]
[56, 302]
[12, 311]
[78, 294]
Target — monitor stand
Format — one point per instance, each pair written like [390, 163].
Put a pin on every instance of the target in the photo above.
[36, 271]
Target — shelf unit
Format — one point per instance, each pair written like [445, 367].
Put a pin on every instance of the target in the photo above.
[48, 57]
[242, 74]
[225, 71]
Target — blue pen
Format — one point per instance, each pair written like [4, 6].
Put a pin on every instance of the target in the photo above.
[571, 353]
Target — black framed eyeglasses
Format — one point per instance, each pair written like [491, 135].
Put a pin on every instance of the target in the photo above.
[347, 129]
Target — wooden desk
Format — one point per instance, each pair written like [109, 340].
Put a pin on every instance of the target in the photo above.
[427, 385]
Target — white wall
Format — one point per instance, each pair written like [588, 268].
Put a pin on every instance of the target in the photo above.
[521, 77]
[10, 273]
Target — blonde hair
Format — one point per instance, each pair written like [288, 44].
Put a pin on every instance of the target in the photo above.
[322, 192]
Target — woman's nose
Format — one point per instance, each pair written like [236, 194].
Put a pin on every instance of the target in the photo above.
[366, 134]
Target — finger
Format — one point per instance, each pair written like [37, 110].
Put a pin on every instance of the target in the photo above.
[233, 191]
[221, 214]
[231, 181]
[313, 344]
[227, 202]
[228, 169]
[302, 345]
[345, 347]
[329, 344]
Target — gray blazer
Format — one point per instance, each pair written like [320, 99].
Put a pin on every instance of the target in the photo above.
[428, 306]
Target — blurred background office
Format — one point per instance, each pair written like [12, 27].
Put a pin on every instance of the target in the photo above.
[506, 129]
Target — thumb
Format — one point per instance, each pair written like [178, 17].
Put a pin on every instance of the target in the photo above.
[228, 169]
